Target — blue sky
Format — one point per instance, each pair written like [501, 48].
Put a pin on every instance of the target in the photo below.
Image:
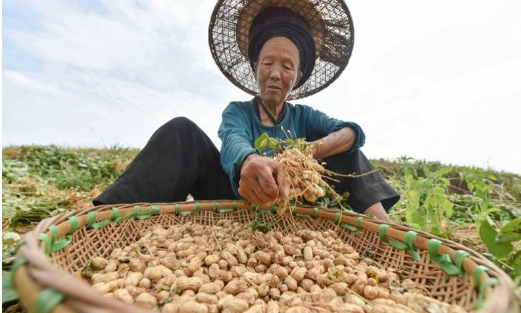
[432, 80]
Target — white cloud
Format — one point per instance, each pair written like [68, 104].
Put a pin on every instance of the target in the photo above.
[431, 80]
[21, 80]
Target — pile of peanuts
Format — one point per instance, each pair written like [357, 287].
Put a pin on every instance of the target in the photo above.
[228, 267]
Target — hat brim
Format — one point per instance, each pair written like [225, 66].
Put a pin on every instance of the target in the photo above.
[331, 26]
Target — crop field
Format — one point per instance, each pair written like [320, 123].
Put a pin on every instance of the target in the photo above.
[476, 207]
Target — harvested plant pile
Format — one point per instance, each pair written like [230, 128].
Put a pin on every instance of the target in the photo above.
[229, 268]
[308, 178]
[305, 174]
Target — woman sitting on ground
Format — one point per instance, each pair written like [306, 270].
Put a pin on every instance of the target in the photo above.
[180, 159]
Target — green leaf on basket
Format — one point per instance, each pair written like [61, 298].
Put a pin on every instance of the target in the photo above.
[510, 232]
[264, 228]
[488, 233]
[261, 143]
[8, 292]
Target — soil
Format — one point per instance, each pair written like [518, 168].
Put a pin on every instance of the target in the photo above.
[467, 235]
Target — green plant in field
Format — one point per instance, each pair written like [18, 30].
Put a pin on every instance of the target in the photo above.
[478, 183]
[28, 196]
[484, 198]
[499, 240]
[511, 233]
[80, 170]
[42, 181]
[427, 205]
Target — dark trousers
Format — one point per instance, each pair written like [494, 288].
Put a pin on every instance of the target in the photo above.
[180, 159]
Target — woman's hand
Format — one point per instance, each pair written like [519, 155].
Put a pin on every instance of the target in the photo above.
[262, 180]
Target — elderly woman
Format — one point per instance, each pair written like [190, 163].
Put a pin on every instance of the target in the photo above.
[180, 159]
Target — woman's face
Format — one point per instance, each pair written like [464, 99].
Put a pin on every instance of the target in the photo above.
[277, 70]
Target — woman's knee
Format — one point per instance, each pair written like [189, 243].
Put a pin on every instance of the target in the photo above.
[178, 125]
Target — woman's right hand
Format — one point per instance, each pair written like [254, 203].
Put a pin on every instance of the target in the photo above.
[263, 180]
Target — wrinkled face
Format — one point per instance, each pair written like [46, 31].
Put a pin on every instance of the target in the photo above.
[277, 70]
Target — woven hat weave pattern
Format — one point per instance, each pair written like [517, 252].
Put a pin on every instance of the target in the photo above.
[331, 27]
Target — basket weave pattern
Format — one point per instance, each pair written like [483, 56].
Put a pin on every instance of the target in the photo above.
[38, 272]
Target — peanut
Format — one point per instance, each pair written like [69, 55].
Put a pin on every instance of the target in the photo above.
[192, 307]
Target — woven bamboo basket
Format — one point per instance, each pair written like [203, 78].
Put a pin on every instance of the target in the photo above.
[51, 254]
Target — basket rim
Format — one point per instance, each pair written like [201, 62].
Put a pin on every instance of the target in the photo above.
[34, 270]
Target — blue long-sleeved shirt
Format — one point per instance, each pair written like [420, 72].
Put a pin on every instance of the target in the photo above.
[240, 127]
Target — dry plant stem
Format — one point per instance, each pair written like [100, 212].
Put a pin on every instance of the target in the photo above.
[216, 240]
[351, 175]
[5, 224]
[250, 282]
[123, 281]
[331, 179]
[149, 250]
[171, 292]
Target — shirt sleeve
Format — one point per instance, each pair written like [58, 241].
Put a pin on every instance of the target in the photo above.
[236, 137]
[321, 125]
